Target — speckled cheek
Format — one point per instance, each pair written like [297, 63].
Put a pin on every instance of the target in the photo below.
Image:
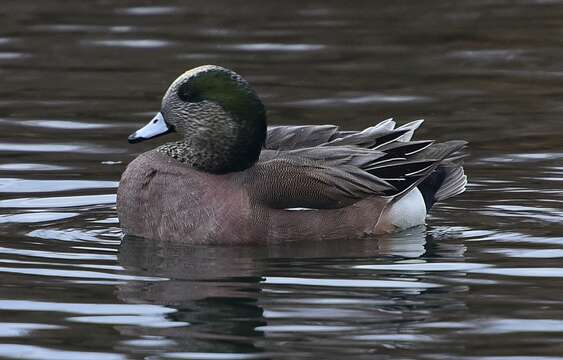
[172, 115]
[209, 116]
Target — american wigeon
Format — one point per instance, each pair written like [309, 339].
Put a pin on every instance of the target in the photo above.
[232, 180]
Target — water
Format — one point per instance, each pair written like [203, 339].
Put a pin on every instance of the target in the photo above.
[483, 280]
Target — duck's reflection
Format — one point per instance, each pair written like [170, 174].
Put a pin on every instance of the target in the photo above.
[214, 289]
[225, 296]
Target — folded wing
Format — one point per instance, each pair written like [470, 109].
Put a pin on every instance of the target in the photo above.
[322, 167]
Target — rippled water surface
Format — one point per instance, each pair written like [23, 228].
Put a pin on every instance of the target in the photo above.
[484, 280]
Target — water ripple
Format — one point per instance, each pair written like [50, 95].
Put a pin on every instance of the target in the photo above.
[13, 55]
[17, 351]
[216, 356]
[148, 10]
[543, 272]
[66, 235]
[356, 100]
[443, 266]
[132, 43]
[15, 185]
[529, 253]
[275, 47]
[272, 280]
[55, 124]
[59, 201]
[154, 321]
[85, 308]
[50, 147]
[76, 274]
[32, 167]
[36, 217]
[304, 328]
[23, 329]
[57, 254]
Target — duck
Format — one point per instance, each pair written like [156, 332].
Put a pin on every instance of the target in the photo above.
[231, 180]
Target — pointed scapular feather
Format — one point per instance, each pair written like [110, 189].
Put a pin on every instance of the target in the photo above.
[394, 135]
[440, 150]
[400, 169]
[369, 138]
[339, 155]
[412, 127]
[366, 137]
[294, 137]
[399, 148]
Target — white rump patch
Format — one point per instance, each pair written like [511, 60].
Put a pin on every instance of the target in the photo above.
[408, 211]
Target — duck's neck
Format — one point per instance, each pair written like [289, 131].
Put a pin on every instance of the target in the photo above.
[213, 156]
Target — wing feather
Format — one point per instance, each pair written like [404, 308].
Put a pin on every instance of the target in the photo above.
[321, 167]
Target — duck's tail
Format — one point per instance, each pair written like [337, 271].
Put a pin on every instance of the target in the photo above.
[446, 181]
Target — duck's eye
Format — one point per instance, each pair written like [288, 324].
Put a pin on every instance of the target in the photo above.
[187, 93]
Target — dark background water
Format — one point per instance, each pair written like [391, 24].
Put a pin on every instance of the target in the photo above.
[483, 281]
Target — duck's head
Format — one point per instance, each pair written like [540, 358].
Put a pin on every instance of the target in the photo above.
[218, 114]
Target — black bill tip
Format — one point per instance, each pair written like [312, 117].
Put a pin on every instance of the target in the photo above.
[133, 138]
